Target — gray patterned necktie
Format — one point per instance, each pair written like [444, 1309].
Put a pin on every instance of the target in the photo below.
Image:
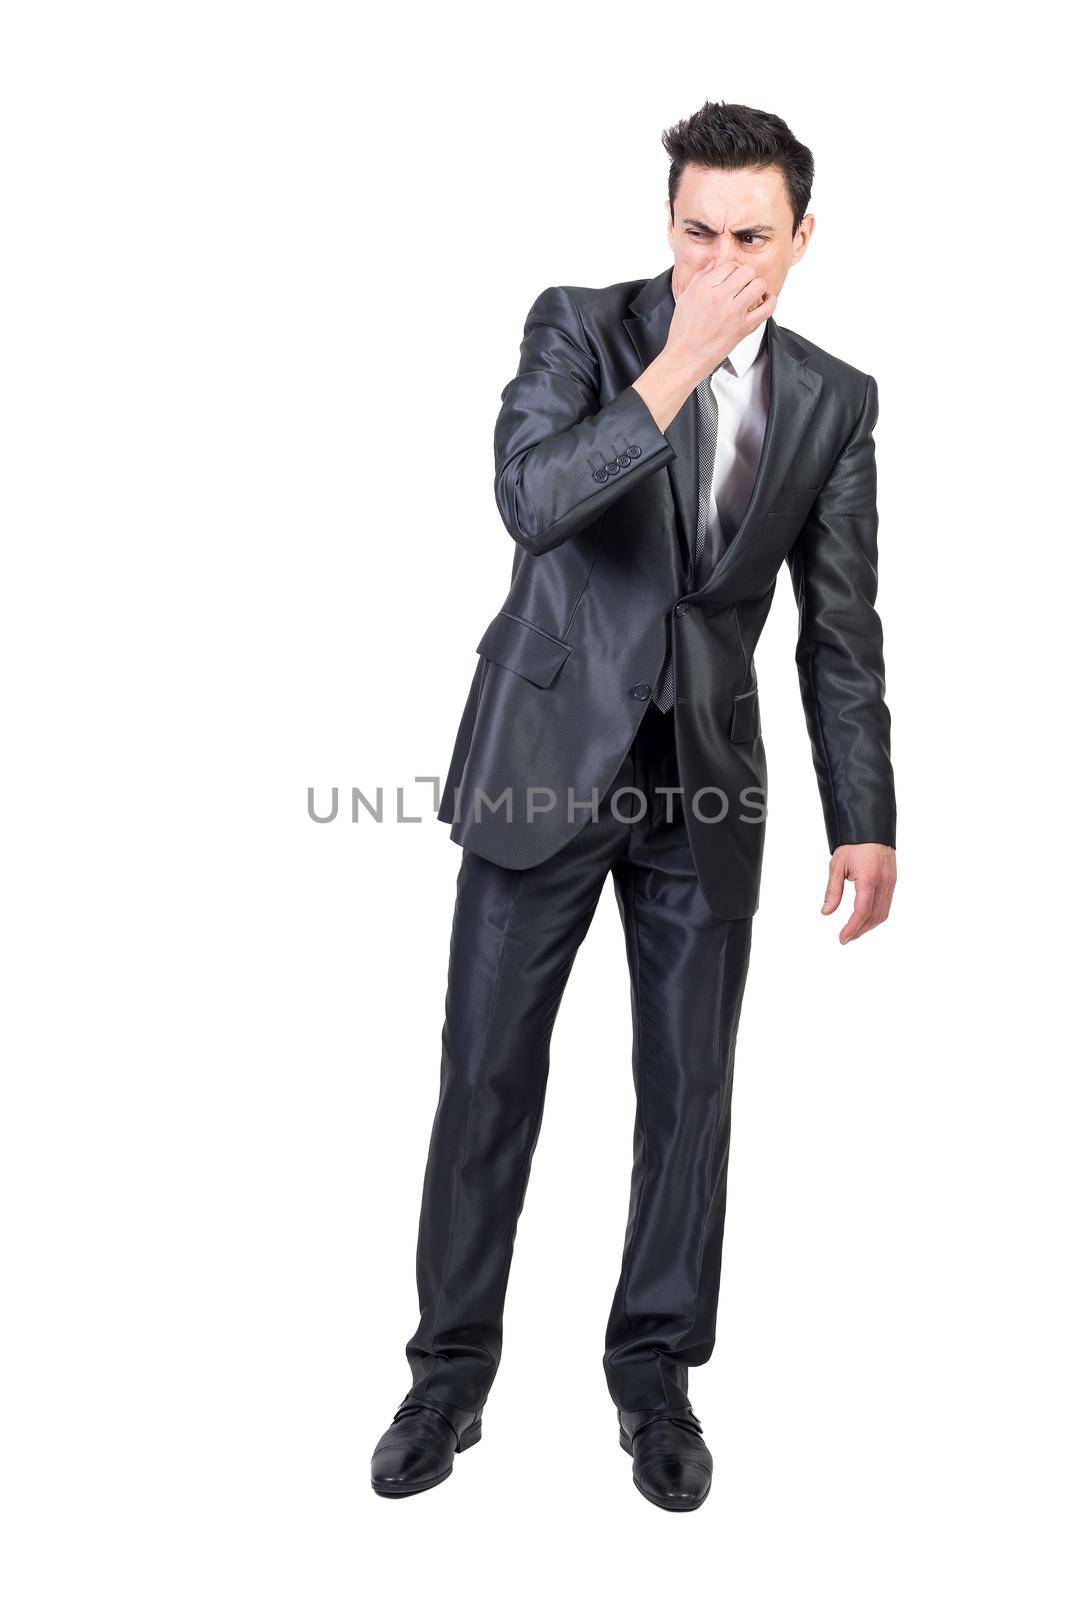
[707, 431]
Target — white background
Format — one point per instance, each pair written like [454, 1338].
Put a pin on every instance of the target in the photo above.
[266, 269]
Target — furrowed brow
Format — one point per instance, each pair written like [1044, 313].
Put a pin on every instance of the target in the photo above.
[753, 227]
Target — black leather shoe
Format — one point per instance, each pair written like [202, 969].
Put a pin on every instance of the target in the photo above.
[672, 1466]
[416, 1452]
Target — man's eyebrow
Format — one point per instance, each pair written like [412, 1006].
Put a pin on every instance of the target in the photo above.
[753, 227]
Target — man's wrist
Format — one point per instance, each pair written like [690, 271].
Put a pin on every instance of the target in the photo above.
[665, 386]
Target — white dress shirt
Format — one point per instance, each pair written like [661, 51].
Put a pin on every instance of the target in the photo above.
[741, 385]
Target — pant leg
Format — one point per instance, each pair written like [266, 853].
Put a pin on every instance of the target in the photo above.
[688, 969]
[514, 938]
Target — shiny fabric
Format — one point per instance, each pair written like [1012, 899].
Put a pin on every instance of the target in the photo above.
[515, 936]
[707, 437]
[708, 449]
[602, 507]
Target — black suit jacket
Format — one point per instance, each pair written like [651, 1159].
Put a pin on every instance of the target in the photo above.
[602, 507]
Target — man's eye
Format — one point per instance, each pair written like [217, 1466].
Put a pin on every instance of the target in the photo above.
[754, 238]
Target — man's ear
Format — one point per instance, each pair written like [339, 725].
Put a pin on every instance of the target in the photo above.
[803, 235]
[670, 225]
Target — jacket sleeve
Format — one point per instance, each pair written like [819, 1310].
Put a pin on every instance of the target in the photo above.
[833, 567]
[562, 458]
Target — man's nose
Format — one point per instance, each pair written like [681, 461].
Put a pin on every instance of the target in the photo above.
[722, 253]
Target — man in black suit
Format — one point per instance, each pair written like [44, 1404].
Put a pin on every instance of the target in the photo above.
[664, 447]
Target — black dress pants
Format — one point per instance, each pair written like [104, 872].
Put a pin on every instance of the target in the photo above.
[515, 935]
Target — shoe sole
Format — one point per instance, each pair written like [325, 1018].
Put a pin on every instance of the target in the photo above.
[471, 1436]
[654, 1500]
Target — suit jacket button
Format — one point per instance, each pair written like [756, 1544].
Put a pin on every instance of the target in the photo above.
[634, 451]
[641, 691]
[624, 461]
[681, 609]
[613, 467]
[601, 475]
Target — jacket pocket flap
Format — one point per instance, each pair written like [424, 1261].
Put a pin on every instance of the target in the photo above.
[523, 648]
[745, 718]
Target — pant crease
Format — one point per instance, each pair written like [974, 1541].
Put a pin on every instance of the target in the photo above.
[717, 1035]
[475, 1084]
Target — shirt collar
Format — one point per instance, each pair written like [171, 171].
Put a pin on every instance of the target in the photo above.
[747, 349]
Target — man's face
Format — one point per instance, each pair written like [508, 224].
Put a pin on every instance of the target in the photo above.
[735, 217]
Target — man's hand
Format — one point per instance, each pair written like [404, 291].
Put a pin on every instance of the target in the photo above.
[719, 306]
[873, 868]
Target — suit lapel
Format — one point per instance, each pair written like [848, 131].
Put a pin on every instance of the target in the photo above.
[682, 434]
[794, 391]
[793, 394]
[654, 307]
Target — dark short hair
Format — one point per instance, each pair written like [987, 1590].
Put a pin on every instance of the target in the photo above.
[732, 137]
